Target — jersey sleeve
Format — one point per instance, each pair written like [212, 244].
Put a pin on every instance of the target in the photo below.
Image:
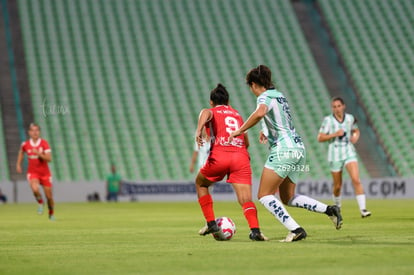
[325, 126]
[46, 147]
[354, 123]
[23, 146]
[262, 99]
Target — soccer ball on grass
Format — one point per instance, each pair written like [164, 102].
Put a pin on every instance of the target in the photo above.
[227, 229]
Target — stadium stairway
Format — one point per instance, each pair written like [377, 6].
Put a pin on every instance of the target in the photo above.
[338, 83]
[15, 100]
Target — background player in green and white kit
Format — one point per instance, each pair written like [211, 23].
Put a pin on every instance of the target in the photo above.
[200, 153]
[341, 131]
[286, 158]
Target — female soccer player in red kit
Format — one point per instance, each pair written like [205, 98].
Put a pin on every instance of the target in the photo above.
[39, 154]
[231, 159]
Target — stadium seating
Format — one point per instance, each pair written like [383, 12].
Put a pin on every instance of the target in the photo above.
[375, 39]
[132, 76]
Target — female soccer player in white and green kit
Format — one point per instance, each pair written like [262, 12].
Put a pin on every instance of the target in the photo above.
[341, 131]
[287, 155]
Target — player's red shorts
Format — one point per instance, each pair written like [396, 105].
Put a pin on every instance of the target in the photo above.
[46, 181]
[236, 165]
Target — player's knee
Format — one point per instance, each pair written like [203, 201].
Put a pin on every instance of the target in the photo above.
[205, 184]
[356, 181]
[202, 181]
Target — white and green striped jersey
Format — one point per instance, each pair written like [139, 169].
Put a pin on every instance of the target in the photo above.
[278, 124]
[203, 152]
[340, 148]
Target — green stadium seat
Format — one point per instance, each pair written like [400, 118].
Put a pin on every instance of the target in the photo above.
[135, 75]
[380, 52]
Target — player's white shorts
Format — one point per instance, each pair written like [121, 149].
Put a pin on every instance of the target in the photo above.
[337, 166]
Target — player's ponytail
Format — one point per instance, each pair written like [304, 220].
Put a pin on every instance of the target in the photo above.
[219, 95]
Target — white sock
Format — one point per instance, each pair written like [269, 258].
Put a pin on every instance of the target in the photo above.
[337, 200]
[274, 206]
[361, 201]
[308, 203]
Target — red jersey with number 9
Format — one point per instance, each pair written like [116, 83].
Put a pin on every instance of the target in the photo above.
[225, 120]
[36, 164]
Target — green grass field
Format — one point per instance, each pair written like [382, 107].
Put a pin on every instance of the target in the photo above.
[161, 238]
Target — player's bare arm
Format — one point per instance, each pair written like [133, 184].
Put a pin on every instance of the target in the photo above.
[322, 137]
[204, 117]
[193, 161]
[253, 119]
[19, 162]
[355, 136]
[246, 140]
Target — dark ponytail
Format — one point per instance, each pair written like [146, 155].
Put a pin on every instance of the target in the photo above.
[219, 96]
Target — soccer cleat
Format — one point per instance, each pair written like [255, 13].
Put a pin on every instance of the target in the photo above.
[365, 213]
[257, 236]
[210, 228]
[40, 209]
[295, 235]
[334, 213]
[52, 218]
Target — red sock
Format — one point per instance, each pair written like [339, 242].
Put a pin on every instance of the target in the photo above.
[50, 211]
[39, 199]
[250, 212]
[206, 203]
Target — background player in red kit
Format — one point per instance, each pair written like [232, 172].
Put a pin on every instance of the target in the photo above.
[225, 159]
[39, 154]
